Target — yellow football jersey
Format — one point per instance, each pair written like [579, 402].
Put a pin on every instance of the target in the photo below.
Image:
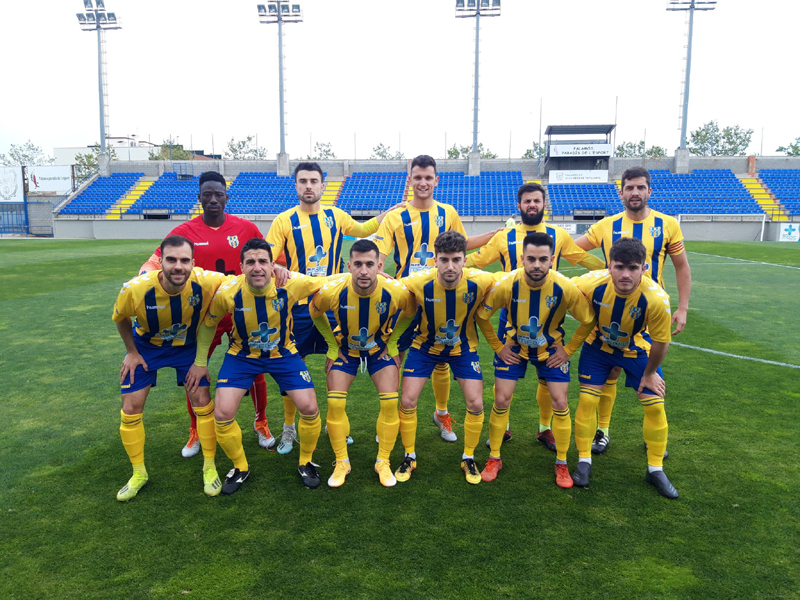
[365, 322]
[161, 319]
[313, 241]
[447, 327]
[410, 233]
[262, 323]
[536, 315]
[622, 320]
[660, 234]
[506, 246]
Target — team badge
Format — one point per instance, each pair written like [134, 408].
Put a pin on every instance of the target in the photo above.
[278, 304]
[233, 240]
[551, 301]
[194, 300]
[329, 222]
[565, 368]
[476, 366]
[655, 232]
[305, 376]
[381, 307]
[439, 221]
[636, 312]
[468, 297]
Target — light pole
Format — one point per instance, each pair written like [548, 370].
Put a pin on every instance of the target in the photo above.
[691, 6]
[477, 9]
[280, 12]
[97, 19]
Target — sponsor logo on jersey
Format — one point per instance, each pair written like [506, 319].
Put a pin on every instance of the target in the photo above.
[529, 334]
[432, 299]
[381, 307]
[349, 307]
[449, 330]
[233, 241]
[243, 309]
[201, 243]
[551, 301]
[259, 339]
[154, 306]
[635, 312]
[519, 300]
[299, 227]
[222, 381]
[582, 376]
[278, 304]
[361, 341]
[601, 303]
[613, 336]
[176, 332]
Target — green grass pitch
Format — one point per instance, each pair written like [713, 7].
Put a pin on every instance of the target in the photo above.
[734, 428]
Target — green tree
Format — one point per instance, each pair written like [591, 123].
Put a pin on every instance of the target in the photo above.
[171, 150]
[535, 152]
[382, 152]
[25, 155]
[634, 149]
[792, 149]
[462, 152]
[322, 151]
[245, 149]
[87, 163]
[709, 140]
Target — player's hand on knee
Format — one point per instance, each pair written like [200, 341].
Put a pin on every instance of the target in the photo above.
[194, 377]
[654, 383]
[129, 364]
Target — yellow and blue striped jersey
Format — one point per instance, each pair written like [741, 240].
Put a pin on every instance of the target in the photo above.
[536, 315]
[447, 326]
[410, 233]
[313, 241]
[365, 322]
[660, 234]
[262, 323]
[506, 246]
[161, 319]
[622, 320]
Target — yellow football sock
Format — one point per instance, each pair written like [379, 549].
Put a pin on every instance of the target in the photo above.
[337, 423]
[229, 437]
[289, 410]
[131, 430]
[586, 420]
[498, 421]
[205, 430]
[473, 424]
[655, 430]
[388, 424]
[562, 430]
[545, 403]
[308, 432]
[440, 381]
[607, 398]
[408, 428]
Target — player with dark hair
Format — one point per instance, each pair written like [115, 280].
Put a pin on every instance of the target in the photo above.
[661, 236]
[312, 237]
[365, 308]
[448, 298]
[217, 237]
[410, 233]
[505, 247]
[166, 306]
[536, 299]
[632, 333]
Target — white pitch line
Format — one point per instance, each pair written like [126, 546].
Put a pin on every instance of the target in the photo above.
[755, 262]
[761, 360]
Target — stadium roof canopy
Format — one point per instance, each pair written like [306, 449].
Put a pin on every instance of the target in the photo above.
[579, 129]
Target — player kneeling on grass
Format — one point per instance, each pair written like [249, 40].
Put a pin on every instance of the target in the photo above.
[366, 308]
[632, 332]
[167, 306]
[449, 295]
[536, 299]
[261, 343]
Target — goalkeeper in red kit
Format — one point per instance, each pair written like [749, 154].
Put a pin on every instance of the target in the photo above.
[217, 238]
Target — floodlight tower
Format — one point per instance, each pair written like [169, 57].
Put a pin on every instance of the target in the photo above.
[691, 6]
[97, 19]
[280, 12]
[477, 9]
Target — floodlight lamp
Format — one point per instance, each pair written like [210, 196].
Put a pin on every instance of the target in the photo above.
[296, 9]
[472, 4]
[459, 4]
[112, 19]
[262, 10]
[101, 18]
[496, 4]
[81, 18]
[273, 8]
[101, 4]
[87, 4]
[284, 9]
[90, 18]
[484, 3]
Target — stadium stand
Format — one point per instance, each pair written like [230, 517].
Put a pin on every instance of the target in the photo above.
[785, 185]
[368, 190]
[491, 193]
[168, 193]
[101, 194]
[260, 193]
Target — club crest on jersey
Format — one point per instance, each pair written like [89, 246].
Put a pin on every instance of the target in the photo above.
[635, 312]
[476, 366]
[194, 300]
[306, 377]
[551, 301]
[233, 240]
[468, 297]
[329, 223]
[278, 304]
[381, 307]
[439, 221]
[655, 232]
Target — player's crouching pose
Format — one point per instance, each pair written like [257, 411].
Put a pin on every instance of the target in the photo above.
[626, 304]
[449, 296]
[365, 307]
[536, 299]
[167, 306]
[261, 343]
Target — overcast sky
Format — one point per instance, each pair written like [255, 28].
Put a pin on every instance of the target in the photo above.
[363, 72]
